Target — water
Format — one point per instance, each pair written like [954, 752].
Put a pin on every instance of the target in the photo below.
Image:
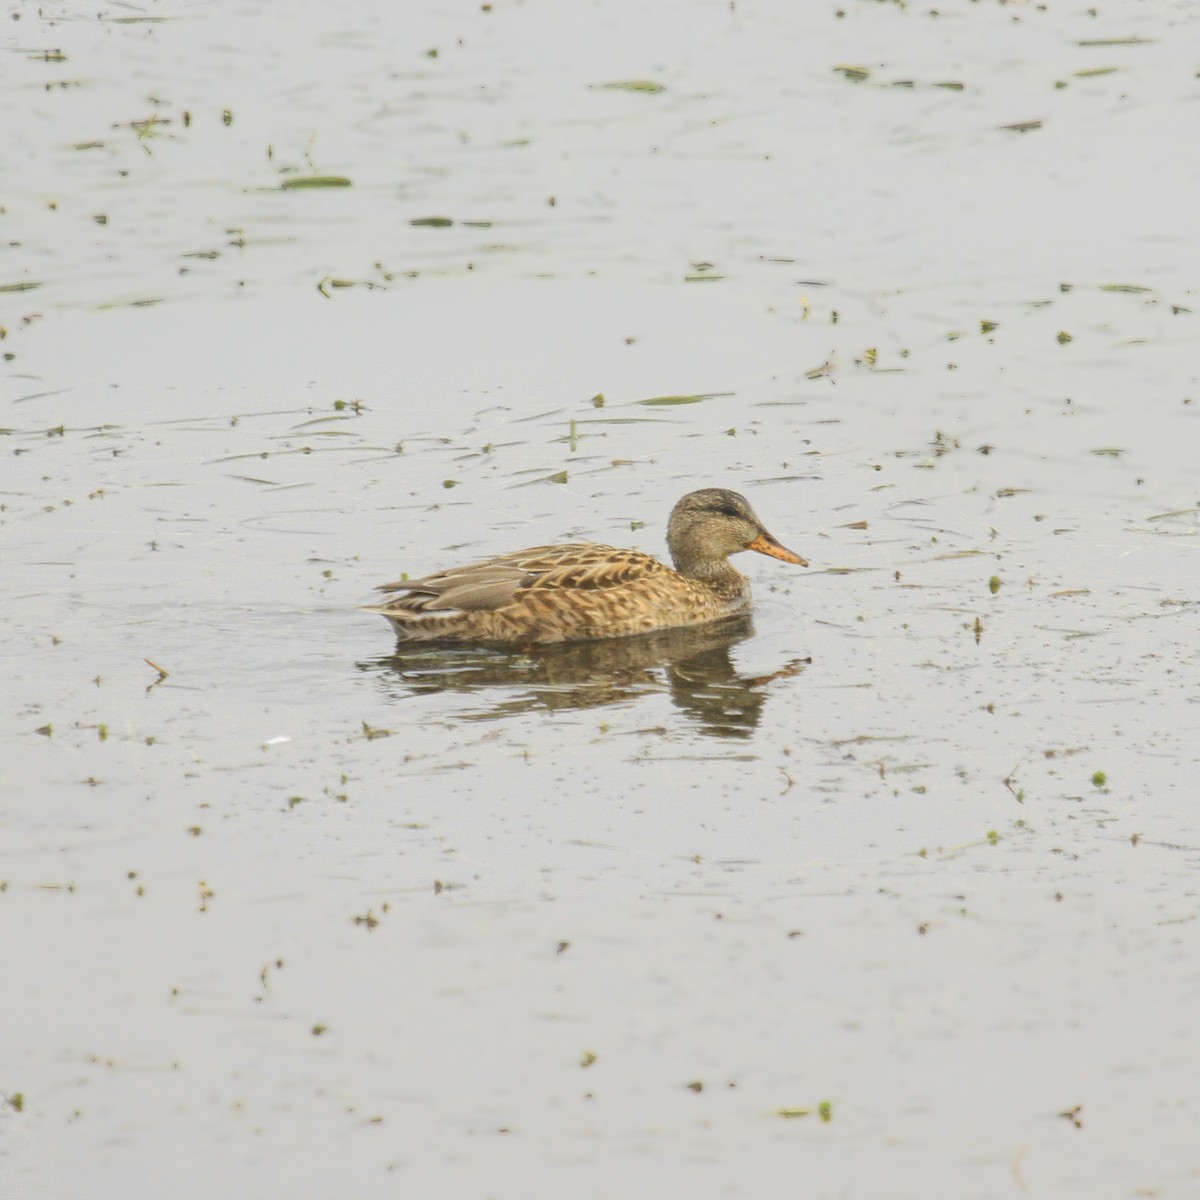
[296, 915]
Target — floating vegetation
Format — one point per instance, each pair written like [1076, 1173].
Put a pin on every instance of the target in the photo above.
[649, 86]
[1135, 289]
[669, 401]
[432, 222]
[1175, 512]
[824, 1110]
[1107, 452]
[1022, 126]
[994, 584]
[331, 282]
[1064, 338]
[314, 181]
[854, 74]
[163, 673]
[26, 286]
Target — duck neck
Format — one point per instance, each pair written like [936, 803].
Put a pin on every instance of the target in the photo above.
[716, 573]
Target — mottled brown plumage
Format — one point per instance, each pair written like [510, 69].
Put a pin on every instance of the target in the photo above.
[583, 591]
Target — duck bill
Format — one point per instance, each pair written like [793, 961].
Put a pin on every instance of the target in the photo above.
[766, 544]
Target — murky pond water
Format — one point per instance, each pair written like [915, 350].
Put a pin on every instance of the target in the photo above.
[889, 890]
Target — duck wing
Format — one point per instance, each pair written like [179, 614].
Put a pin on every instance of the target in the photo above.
[497, 582]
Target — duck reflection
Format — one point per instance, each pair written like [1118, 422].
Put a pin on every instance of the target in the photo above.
[693, 666]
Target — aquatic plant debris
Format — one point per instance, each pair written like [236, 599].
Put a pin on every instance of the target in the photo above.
[648, 86]
[314, 181]
[667, 401]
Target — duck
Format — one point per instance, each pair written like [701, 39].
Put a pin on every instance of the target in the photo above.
[582, 591]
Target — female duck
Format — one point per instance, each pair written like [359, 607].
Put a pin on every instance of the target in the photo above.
[583, 591]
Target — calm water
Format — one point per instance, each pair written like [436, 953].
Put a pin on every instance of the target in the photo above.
[298, 916]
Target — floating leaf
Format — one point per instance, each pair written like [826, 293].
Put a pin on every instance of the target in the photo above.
[1133, 288]
[314, 181]
[27, 286]
[667, 401]
[634, 85]
[1022, 126]
[1064, 338]
[432, 222]
[854, 74]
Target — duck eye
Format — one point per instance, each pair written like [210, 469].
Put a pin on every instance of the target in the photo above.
[727, 510]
